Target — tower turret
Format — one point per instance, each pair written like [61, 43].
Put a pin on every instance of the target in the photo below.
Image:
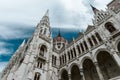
[95, 10]
[43, 28]
[99, 15]
[59, 42]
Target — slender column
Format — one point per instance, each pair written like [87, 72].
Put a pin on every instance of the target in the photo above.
[98, 71]
[116, 58]
[82, 74]
[84, 47]
[97, 39]
[69, 76]
[89, 47]
[77, 53]
[92, 42]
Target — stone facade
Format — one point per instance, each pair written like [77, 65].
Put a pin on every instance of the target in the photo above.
[93, 55]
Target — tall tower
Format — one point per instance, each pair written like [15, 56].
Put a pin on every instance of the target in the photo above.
[36, 62]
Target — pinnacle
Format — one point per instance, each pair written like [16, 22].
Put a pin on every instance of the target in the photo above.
[59, 34]
[23, 43]
[47, 13]
[94, 9]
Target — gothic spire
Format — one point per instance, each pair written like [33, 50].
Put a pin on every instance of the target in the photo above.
[46, 14]
[45, 18]
[59, 34]
[23, 43]
[95, 10]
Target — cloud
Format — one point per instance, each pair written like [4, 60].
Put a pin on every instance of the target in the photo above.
[4, 50]
[15, 31]
[61, 11]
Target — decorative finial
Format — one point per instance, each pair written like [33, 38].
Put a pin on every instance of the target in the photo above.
[47, 13]
[94, 9]
[23, 43]
[59, 34]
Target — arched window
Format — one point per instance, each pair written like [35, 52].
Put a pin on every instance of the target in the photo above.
[98, 37]
[52, 59]
[81, 45]
[71, 53]
[43, 50]
[74, 52]
[90, 42]
[68, 55]
[45, 31]
[41, 30]
[37, 76]
[94, 39]
[78, 48]
[55, 60]
[86, 47]
[39, 64]
[109, 26]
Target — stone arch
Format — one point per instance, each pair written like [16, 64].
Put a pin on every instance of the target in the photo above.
[43, 44]
[101, 49]
[75, 72]
[64, 74]
[89, 69]
[63, 70]
[81, 63]
[110, 27]
[42, 49]
[107, 64]
[69, 71]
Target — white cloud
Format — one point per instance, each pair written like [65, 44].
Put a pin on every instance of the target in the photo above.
[13, 32]
[30, 11]
[4, 50]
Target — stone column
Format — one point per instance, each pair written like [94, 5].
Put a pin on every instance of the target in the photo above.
[92, 42]
[82, 74]
[77, 53]
[69, 76]
[116, 58]
[97, 39]
[99, 71]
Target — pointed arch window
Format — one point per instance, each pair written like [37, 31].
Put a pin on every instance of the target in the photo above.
[45, 31]
[54, 58]
[71, 53]
[94, 39]
[68, 55]
[74, 52]
[81, 45]
[98, 37]
[43, 50]
[90, 42]
[78, 48]
[39, 64]
[110, 27]
[86, 47]
[37, 76]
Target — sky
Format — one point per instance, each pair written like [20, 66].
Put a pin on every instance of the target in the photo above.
[18, 19]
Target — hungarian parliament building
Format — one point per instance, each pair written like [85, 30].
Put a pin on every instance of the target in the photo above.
[93, 55]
